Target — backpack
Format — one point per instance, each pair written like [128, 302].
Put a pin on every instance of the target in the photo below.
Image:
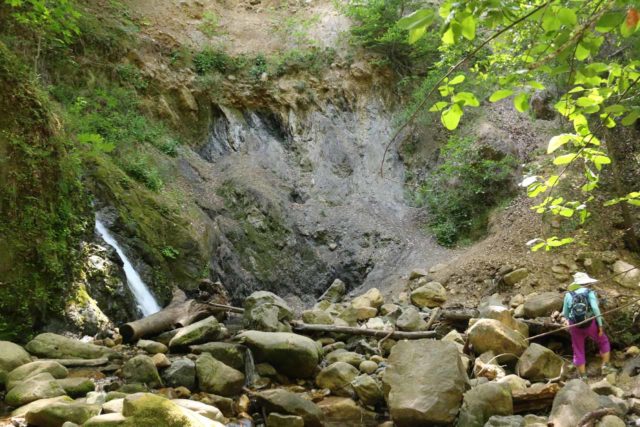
[580, 308]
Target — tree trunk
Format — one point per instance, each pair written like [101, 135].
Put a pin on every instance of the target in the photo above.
[303, 327]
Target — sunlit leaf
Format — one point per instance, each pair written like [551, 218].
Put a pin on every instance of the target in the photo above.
[457, 79]
[469, 28]
[521, 102]
[564, 159]
[467, 98]
[558, 141]
[500, 94]
[567, 16]
[451, 117]
[438, 106]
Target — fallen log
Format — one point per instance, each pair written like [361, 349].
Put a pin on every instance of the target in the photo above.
[534, 398]
[304, 327]
[79, 362]
[179, 313]
[591, 418]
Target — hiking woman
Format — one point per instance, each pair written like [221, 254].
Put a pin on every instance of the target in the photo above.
[581, 303]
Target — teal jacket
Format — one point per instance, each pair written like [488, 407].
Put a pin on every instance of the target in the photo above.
[593, 302]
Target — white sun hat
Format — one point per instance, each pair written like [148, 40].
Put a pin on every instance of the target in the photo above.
[583, 279]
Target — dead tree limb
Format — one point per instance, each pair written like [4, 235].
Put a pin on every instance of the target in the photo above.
[179, 313]
[304, 327]
[590, 418]
[534, 398]
[434, 316]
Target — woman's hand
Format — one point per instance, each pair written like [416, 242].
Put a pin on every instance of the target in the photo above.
[600, 331]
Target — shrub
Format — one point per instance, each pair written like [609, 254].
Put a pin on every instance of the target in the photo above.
[131, 76]
[463, 189]
[210, 60]
[141, 169]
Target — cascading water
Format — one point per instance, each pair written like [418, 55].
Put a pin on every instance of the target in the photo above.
[144, 298]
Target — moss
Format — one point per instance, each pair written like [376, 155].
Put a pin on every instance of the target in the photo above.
[149, 410]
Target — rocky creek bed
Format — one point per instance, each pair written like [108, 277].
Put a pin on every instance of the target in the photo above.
[257, 368]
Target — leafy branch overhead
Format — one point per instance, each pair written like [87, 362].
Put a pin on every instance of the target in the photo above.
[584, 48]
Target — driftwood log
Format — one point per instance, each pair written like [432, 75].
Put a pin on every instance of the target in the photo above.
[534, 398]
[304, 327]
[591, 418]
[180, 312]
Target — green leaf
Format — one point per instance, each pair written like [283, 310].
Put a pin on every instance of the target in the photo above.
[558, 141]
[418, 19]
[448, 37]
[536, 85]
[416, 34]
[582, 52]
[631, 118]
[451, 116]
[609, 21]
[567, 16]
[598, 161]
[500, 94]
[521, 102]
[467, 99]
[438, 106]
[457, 79]
[550, 22]
[469, 27]
[615, 109]
[564, 159]
[566, 212]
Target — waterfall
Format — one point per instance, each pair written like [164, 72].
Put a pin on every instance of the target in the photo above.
[144, 298]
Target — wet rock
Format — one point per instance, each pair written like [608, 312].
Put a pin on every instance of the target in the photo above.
[572, 402]
[278, 420]
[372, 298]
[410, 320]
[538, 363]
[32, 369]
[55, 346]
[203, 409]
[368, 390]
[106, 420]
[141, 369]
[199, 332]
[434, 396]
[342, 411]
[626, 274]
[31, 390]
[337, 377]
[56, 414]
[335, 293]
[484, 401]
[265, 311]
[152, 347]
[216, 377]
[146, 409]
[291, 354]
[368, 367]
[431, 295]
[342, 355]
[515, 276]
[161, 360]
[228, 353]
[181, 373]
[77, 387]
[543, 304]
[12, 356]
[286, 402]
[491, 335]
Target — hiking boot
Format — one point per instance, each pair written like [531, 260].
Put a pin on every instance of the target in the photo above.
[608, 369]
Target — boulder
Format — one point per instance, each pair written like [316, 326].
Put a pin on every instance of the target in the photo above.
[146, 409]
[181, 373]
[286, 402]
[12, 356]
[371, 298]
[218, 378]
[368, 390]
[203, 409]
[611, 421]
[77, 386]
[572, 402]
[291, 354]
[484, 401]
[278, 420]
[514, 382]
[626, 274]
[342, 411]
[410, 320]
[341, 355]
[115, 419]
[141, 369]
[543, 304]
[337, 377]
[431, 295]
[37, 404]
[112, 406]
[538, 363]
[352, 315]
[505, 421]
[31, 390]
[317, 317]
[152, 347]
[160, 360]
[199, 332]
[228, 353]
[32, 369]
[56, 414]
[266, 311]
[432, 397]
[368, 367]
[335, 292]
[492, 335]
[515, 276]
[55, 346]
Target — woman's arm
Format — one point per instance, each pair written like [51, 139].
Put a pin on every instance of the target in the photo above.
[567, 304]
[593, 301]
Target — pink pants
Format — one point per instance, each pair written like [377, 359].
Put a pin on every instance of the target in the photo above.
[578, 337]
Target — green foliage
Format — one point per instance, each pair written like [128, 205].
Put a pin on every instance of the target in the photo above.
[54, 19]
[210, 23]
[170, 252]
[131, 76]
[209, 60]
[314, 60]
[463, 189]
[377, 29]
[142, 169]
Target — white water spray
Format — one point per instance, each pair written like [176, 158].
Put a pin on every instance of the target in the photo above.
[141, 293]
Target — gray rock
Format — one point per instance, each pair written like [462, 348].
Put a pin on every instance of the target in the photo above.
[505, 421]
[368, 390]
[410, 320]
[31, 390]
[484, 401]
[317, 317]
[611, 421]
[55, 346]
[218, 378]
[228, 353]
[207, 411]
[516, 276]
[341, 355]
[370, 299]
[141, 369]
[77, 386]
[368, 367]
[491, 335]
[278, 420]
[431, 295]
[112, 406]
[106, 420]
[626, 274]
[343, 411]
[32, 369]
[335, 292]
[542, 304]
[572, 402]
[538, 363]
[12, 356]
[36, 404]
[285, 402]
[337, 377]
[199, 332]
[265, 311]
[56, 414]
[291, 354]
[152, 347]
[432, 397]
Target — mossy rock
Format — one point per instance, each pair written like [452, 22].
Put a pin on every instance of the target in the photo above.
[150, 410]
